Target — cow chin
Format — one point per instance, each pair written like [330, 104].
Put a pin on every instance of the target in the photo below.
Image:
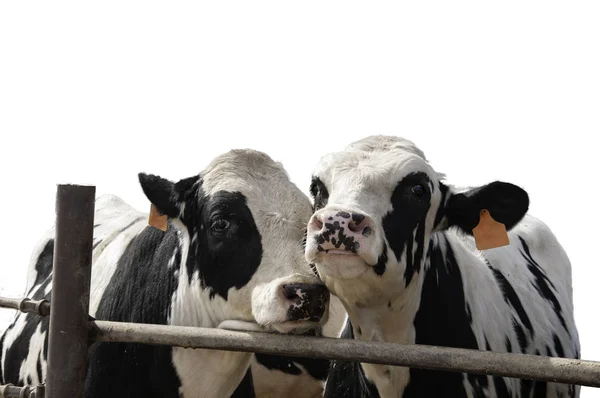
[337, 266]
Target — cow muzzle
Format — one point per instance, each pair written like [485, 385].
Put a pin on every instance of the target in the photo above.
[342, 234]
[294, 303]
[308, 302]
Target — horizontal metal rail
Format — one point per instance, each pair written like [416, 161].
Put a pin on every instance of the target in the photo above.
[39, 307]
[531, 367]
[11, 391]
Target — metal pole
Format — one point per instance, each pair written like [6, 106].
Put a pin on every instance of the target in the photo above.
[39, 307]
[531, 367]
[68, 337]
[11, 391]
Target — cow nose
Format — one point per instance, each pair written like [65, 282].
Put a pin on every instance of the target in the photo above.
[308, 301]
[357, 223]
[340, 230]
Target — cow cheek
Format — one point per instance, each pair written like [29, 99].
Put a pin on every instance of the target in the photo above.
[267, 305]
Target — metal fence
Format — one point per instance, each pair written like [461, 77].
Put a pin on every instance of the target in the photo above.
[71, 330]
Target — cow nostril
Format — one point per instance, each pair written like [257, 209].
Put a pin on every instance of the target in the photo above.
[317, 224]
[304, 291]
[358, 218]
[358, 223]
[290, 292]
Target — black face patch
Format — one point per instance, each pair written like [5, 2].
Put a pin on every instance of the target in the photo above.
[319, 193]
[227, 249]
[404, 226]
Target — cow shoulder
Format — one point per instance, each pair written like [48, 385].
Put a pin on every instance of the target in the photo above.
[139, 291]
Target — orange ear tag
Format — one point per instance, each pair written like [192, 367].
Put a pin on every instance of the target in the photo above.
[489, 233]
[156, 220]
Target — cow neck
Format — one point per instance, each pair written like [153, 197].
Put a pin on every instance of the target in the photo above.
[393, 322]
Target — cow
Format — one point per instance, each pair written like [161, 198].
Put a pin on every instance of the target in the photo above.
[395, 243]
[231, 256]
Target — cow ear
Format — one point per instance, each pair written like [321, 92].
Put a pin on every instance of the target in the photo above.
[507, 204]
[166, 195]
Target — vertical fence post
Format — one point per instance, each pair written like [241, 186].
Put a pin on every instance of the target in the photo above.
[68, 336]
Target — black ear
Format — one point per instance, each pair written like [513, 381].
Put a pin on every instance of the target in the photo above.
[166, 195]
[507, 204]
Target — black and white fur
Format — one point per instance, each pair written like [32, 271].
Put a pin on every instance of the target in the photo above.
[395, 244]
[232, 257]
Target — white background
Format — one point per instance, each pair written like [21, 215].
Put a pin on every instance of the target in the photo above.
[95, 92]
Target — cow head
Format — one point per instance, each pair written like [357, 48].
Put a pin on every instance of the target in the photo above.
[377, 203]
[242, 225]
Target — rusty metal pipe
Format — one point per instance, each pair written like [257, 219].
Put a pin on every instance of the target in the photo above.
[39, 307]
[12, 391]
[68, 336]
[532, 367]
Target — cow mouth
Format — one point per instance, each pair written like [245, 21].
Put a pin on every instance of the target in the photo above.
[295, 327]
[287, 327]
[338, 252]
[339, 263]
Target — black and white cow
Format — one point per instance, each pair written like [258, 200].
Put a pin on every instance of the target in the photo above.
[395, 244]
[232, 256]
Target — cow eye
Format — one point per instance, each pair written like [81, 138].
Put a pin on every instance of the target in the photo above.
[220, 224]
[418, 190]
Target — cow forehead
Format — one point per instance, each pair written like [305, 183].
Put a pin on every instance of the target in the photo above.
[240, 164]
[385, 143]
[272, 198]
[378, 171]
